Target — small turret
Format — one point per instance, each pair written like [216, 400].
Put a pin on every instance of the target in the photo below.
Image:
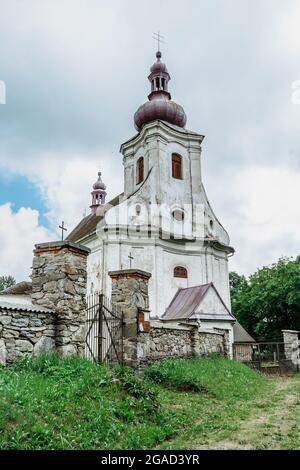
[98, 194]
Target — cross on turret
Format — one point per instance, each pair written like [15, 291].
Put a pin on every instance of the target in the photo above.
[159, 38]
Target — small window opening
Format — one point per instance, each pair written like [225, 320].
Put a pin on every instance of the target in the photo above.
[176, 166]
[180, 271]
[140, 170]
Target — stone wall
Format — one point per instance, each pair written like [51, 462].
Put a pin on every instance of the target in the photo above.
[59, 283]
[146, 341]
[25, 332]
[130, 295]
[55, 319]
[182, 341]
[291, 345]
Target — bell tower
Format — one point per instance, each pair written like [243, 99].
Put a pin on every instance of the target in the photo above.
[98, 194]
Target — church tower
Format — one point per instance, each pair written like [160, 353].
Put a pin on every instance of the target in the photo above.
[163, 222]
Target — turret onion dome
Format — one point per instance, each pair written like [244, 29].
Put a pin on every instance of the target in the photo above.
[99, 183]
[160, 106]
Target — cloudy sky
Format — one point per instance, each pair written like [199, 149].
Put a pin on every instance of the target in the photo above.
[75, 72]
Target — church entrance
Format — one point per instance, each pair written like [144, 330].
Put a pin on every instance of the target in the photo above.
[104, 332]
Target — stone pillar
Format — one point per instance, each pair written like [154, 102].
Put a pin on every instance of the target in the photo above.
[291, 345]
[59, 283]
[130, 294]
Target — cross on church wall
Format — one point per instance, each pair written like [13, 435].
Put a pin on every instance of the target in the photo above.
[131, 258]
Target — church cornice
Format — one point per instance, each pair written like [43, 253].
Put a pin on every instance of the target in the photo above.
[173, 132]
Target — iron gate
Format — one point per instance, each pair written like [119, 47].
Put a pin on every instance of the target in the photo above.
[104, 337]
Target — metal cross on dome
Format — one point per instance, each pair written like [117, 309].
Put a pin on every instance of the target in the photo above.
[159, 38]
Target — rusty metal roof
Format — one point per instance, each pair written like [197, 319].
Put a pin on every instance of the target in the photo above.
[185, 302]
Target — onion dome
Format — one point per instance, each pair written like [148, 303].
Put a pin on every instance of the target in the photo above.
[99, 183]
[98, 194]
[160, 106]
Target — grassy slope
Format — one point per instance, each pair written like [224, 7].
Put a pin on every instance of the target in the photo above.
[50, 403]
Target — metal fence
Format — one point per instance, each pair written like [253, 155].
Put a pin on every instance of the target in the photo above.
[267, 356]
[104, 337]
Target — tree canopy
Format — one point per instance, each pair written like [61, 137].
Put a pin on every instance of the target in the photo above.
[6, 281]
[269, 301]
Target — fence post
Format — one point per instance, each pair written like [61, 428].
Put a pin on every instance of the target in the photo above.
[59, 283]
[291, 347]
[130, 295]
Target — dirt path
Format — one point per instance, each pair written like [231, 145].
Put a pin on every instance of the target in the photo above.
[273, 424]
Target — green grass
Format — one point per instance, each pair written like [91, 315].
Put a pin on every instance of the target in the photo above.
[216, 376]
[54, 403]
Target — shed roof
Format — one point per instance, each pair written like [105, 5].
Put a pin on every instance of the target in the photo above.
[24, 307]
[240, 335]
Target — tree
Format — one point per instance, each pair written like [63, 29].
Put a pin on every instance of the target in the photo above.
[6, 281]
[269, 301]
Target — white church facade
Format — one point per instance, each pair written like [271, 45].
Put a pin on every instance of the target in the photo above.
[162, 222]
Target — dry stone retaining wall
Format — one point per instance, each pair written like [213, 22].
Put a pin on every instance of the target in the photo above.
[55, 320]
[145, 342]
[25, 332]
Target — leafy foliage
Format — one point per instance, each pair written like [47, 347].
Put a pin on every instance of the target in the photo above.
[269, 300]
[6, 281]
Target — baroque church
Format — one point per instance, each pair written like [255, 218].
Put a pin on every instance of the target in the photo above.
[162, 222]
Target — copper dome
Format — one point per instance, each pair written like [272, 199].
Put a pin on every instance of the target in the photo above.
[99, 183]
[159, 105]
[165, 110]
[158, 66]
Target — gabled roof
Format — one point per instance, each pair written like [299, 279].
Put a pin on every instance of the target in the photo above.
[186, 301]
[87, 226]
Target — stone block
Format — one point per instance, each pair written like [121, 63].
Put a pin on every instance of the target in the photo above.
[24, 346]
[44, 345]
[3, 353]
[5, 319]
[20, 322]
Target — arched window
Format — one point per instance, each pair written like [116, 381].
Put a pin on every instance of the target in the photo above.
[176, 166]
[140, 170]
[180, 271]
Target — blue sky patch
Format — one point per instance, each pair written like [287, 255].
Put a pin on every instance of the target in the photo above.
[22, 193]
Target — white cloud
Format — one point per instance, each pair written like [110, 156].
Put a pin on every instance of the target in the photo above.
[65, 182]
[18, 233]
[78, 79]
[265, 221]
